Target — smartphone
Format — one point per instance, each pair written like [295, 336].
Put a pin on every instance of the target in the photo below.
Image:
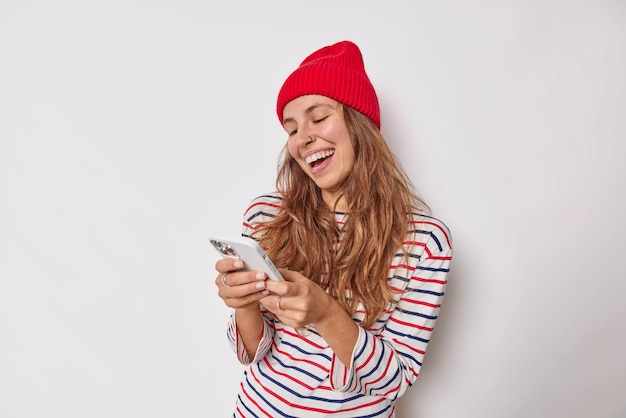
[247, 250]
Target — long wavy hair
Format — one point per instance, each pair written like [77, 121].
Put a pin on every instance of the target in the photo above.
[350, 261]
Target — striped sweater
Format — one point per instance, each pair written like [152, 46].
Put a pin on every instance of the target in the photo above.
[297, 375]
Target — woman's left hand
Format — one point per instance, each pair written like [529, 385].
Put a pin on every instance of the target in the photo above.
[297, 301]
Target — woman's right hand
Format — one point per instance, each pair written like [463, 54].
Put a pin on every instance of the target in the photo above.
[239, 289]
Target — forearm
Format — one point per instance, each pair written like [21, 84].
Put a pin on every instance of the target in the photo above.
[340, 332]
[249, 322]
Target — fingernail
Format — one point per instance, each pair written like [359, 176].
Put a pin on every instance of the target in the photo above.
[260, 285]
[265, 292]
[238, 264]
[260, 276]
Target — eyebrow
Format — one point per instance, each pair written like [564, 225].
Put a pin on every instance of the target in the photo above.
[308, 110]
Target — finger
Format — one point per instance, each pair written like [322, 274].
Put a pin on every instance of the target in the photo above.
[224, 280]
[274, 302]
[234, 278]
[237, 278]
[277, 287]
[225, 265]
[291, 275]
[239, 302]
[278, 302]
[243, 290]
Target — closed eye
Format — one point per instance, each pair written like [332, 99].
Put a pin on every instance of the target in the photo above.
[320, 120]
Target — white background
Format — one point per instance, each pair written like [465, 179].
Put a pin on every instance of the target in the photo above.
[131, 130]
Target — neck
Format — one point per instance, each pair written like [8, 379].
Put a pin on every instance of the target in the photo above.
[335, 201]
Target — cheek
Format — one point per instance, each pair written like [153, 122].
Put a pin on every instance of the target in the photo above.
[293, 149]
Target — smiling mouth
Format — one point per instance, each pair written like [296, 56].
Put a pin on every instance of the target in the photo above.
[317, 158]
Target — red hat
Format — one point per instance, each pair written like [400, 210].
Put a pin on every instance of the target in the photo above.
[336, 71]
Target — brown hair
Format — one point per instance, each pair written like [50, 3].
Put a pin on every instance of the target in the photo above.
[380, 200]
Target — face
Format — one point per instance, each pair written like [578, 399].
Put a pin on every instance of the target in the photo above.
[319, 141]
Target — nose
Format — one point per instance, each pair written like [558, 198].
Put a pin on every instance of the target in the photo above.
[305, 138]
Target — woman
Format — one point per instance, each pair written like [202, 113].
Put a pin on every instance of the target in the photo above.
[365, 267]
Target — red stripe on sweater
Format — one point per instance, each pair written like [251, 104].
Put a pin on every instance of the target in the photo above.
[263, 203]
[436, 225]
[311, 362]
[421, 244]
[421, 302]
[408, 324]
[293, 379]
[439, 257]
[251, 399]
[382, 375]
[423, 280]
[368, 358]
[408, 346]
[253, 227]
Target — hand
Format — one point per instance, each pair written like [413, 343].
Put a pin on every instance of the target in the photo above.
[239, 289]
[297, 301]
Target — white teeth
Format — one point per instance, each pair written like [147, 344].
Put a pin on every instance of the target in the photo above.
[318, 156]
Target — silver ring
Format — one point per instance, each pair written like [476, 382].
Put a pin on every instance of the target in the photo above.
[278, 302]
[224, 280]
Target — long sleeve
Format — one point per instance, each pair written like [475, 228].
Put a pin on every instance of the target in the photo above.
[259, 211]
[386, 360]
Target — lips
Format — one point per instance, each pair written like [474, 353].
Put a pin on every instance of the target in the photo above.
[320, 155]
[319, 160]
